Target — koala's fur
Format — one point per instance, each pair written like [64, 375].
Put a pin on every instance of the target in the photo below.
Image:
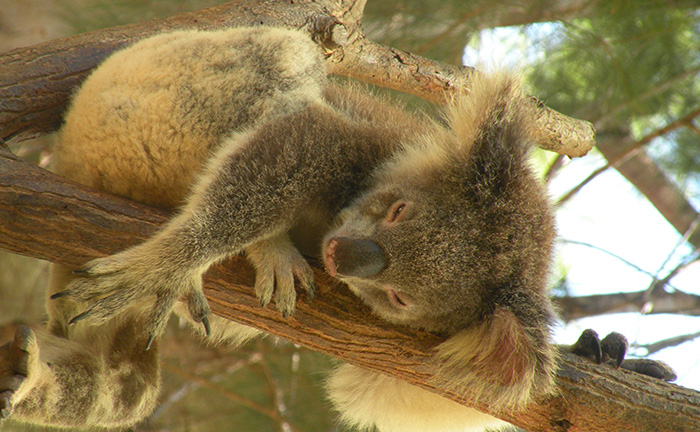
[436, 225]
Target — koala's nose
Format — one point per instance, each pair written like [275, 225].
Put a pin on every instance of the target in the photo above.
[347, 256]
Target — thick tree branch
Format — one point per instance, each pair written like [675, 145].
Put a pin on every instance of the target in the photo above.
[45, 216]
[36, 82]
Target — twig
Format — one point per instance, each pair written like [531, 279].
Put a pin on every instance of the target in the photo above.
[271, 413]
[667, 343]
[655, 280]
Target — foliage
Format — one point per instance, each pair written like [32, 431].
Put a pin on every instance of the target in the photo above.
[628, 71]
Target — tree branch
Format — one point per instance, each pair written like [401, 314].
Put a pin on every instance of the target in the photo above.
[660, 301]
[45, 216]
[667, 343]
[36, 82]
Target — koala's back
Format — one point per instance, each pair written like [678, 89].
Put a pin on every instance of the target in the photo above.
[145, 122]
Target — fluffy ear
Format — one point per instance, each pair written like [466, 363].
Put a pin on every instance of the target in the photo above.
[502, 362]
[492, 125]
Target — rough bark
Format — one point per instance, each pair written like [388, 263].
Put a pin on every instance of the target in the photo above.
[45, 216]
[36, 82]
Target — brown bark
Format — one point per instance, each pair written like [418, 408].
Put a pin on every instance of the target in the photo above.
[45, 216]
[36, 82]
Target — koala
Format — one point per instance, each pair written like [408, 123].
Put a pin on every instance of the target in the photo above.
[437, 224]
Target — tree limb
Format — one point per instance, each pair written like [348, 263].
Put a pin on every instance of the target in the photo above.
[45, 216]
[660, 301]
[36, 82]
[667, 343]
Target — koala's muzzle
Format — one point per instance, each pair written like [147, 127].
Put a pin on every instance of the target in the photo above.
[345, 256]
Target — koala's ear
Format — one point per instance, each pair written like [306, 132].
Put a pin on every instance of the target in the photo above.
[496, 362]
[492, 125]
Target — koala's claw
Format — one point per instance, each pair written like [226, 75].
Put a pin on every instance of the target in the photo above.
[614, 346]
[652, 368]
[17, 359]
[612, 350]
[277, 265]
[588, 345]
[111, 285]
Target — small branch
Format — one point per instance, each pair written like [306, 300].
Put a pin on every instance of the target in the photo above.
[275, 391]
[607, 252]
[684, 238]
[389, 67]
[203, 382]
[675, 302]
[667, 343]
[45, 216]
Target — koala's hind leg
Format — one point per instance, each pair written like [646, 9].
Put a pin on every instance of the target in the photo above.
[50, 380]
[18, 362]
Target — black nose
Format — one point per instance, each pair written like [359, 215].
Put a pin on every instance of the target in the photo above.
[347, 256]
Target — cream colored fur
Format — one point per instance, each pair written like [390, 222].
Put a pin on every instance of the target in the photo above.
[366, 399]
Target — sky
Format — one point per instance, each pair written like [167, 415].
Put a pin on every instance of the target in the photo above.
[611, 214]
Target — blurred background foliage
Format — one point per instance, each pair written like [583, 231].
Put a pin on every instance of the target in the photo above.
[630, 67]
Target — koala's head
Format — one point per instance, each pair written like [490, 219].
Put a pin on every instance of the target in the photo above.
[447, 232]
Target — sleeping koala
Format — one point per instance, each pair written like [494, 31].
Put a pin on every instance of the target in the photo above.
[438, 225]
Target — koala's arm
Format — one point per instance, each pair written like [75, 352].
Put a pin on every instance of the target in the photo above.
[65, 384]
[251, 193]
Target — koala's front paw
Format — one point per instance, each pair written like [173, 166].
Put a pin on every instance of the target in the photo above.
[612, 349]
[18, 360]
[613, 346]
[277, 263]
[111, 285]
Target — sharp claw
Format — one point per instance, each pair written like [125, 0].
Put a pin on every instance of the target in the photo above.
[79, 317]
[621, 351]
[80, 271]
[587, 345]
[58, 295]
[594, 346]
[151, 338]
[205, 323]
[311, 290]
[264, 302]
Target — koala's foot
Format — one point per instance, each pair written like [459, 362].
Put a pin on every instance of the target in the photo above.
[136, 277]
[277, 264]
[612, 350]
[613, 346]
[17, 361]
